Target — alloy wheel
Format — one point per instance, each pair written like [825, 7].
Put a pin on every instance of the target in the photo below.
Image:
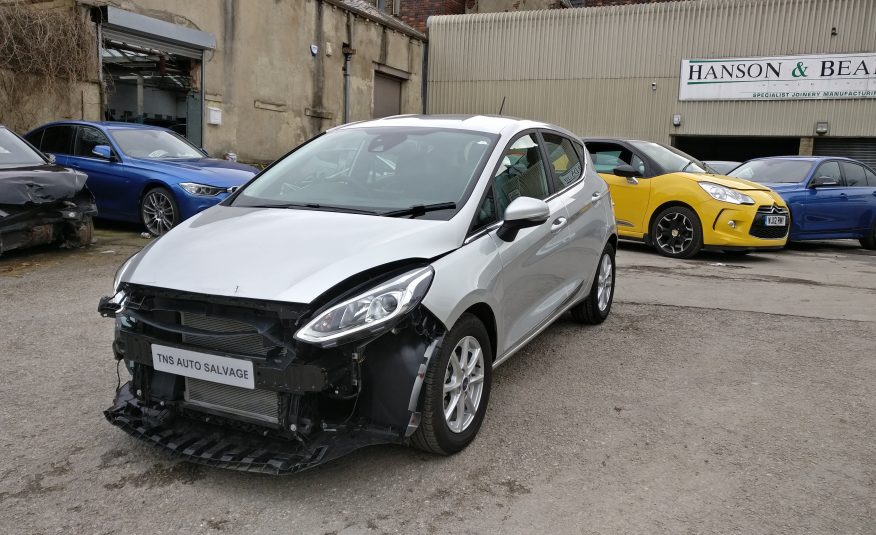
[158, 213]
[605, 283]
[675, 233]
[463, 384]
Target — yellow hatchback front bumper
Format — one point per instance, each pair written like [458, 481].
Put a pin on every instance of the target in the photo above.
[740, 226]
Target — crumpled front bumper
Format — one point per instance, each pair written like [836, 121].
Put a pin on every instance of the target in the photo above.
[214, 445]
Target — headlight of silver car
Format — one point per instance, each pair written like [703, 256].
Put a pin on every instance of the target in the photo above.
[201, 189]
[721, 193]
[369, 312]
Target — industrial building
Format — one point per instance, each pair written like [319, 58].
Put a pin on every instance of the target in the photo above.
[720, 79]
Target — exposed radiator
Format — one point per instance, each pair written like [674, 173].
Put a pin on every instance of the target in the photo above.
[262, 405]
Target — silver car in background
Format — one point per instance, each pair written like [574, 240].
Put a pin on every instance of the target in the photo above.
[360, 291]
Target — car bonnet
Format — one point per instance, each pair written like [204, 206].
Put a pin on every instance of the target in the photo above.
[279, 254]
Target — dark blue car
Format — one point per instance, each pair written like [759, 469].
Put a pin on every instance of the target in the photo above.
[141, 173]
[829, 197]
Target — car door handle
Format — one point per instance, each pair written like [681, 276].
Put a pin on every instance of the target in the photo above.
[633, 180]
[598, 195]
[558, 223]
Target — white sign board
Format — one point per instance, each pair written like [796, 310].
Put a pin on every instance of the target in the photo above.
[225, 370]
[822, 76]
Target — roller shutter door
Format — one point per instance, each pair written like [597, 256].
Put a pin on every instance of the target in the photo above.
[862, 149]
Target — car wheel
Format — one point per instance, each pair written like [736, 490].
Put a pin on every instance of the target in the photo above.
[869, 242]
[596, 307]
[159, 211]
[677, 233]
[457, 389]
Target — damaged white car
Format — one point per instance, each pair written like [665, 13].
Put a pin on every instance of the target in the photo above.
[360, 291]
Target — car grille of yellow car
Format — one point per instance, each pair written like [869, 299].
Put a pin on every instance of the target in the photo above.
[759, 229]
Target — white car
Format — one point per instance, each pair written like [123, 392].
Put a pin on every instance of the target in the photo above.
[360, 291]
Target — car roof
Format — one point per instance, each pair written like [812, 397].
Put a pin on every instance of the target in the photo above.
[105, 124]
[804, 158]
[493, 124]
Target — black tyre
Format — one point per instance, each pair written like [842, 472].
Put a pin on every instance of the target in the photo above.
[869, 242]
[159, 211]
[459, 373]
[596, 307]
[677, 233]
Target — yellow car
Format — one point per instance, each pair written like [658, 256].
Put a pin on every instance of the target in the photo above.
[669, 200]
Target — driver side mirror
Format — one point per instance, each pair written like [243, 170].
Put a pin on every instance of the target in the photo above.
[523, 212]
[103, 152]
[626, 171]
[824, 182]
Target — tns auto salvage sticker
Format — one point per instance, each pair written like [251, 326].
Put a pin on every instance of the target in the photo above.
[234, 372]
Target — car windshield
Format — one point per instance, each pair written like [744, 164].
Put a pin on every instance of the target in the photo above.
[153, 144]
[376, 169]
[15, 152]
[670, 159]
[773, 171]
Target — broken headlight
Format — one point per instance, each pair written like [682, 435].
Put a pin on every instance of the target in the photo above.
[368, 312]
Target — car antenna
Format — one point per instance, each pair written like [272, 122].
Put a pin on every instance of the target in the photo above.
[502, 107]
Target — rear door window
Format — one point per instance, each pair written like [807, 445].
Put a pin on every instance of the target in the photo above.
[563, 159]
[871, 177]
[854, 174]
[58, 139]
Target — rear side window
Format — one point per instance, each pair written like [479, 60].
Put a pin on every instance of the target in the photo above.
[871, 177]
[563, 159]
[87, 139]
[854, 174]
[58, 139]
[521, 173]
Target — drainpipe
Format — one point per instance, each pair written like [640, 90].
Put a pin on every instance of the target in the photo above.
[348, 52]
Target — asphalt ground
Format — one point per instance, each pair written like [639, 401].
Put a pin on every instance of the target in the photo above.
[723, 395]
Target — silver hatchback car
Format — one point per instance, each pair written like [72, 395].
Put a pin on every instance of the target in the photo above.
[360, 291]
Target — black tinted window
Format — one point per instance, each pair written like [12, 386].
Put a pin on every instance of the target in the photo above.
[87, 139]
[58, 139]
[35, 138]
[563, 158]
[871, 177]
[854, 174]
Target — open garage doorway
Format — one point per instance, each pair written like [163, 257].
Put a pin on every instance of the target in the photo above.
[148, 85]
[737, 149]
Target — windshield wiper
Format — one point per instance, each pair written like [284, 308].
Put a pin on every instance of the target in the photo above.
[420, 209]
[314, 206]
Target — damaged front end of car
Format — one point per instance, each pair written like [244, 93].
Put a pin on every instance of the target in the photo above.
[40, 206]
[327, 377]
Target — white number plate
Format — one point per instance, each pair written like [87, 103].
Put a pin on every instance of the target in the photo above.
[228, 371]
[775, 221]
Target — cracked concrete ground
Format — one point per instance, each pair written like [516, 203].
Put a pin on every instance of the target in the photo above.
[723, 395]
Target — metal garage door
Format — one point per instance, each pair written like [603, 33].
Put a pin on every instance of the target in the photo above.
[862, 149]
[387, 95]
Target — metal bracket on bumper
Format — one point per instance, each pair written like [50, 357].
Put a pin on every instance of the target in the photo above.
[212, 445]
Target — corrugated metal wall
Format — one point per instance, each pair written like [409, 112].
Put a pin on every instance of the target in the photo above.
[591, 69]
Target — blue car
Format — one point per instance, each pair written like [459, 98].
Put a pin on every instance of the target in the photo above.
[141, 173]
[829, 197]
